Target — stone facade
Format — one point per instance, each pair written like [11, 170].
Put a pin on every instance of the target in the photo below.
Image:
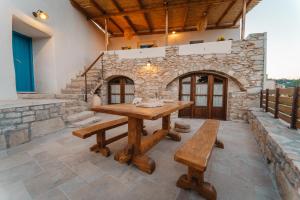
[19, 125]
[244, 68]
[280, 147]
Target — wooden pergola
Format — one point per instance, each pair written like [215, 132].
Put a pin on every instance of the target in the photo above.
[144, 17]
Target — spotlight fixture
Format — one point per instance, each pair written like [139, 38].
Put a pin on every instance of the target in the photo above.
[149, 63]
[40, 14]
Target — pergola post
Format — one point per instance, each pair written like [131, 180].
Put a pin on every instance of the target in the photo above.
[244, 19]
[106, 35]
[167, 24]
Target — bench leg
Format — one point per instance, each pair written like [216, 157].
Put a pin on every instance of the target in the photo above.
[219, 144]
[195, 180]
[101, 146]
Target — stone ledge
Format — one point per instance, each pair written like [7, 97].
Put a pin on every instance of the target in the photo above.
[281, 148]
[19, 125]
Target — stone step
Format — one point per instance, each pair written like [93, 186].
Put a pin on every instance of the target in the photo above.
[75, 109]
[36, 96]
[91, 74]
[89, 78]
[81, 84]
[70, 96]
[86, 122]
[79, 116]
[72, 103]
[72, 91]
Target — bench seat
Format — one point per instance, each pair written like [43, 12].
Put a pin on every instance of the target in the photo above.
[100, 131]
[195, 154]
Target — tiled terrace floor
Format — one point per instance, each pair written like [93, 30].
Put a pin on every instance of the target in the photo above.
[60, 166]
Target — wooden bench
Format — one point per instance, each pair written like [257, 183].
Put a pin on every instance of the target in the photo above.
[99, 130]
[195, 154]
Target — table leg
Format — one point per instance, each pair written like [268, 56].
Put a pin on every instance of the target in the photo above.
[166, 125]
[132, 153]
[145, 133]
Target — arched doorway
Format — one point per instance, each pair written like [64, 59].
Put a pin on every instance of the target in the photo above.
[120, 90]
[208, 92]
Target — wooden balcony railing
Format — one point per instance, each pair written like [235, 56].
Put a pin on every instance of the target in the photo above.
[84, 74]
[283, 103]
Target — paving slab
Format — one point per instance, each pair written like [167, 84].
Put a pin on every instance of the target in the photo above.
[60, 166]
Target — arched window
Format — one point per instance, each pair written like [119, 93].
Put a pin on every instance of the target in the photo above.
[209, 94]
[120, 90]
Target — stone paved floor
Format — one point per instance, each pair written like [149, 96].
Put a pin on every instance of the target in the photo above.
[60, 166]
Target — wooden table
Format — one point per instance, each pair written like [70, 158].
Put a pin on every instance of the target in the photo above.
[136, 148]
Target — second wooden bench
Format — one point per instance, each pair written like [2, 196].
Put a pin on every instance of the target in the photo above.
[100, 131]
[195, 154]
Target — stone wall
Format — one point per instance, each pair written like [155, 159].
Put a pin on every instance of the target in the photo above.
[244, 68]
[280, 147]
[21, 123]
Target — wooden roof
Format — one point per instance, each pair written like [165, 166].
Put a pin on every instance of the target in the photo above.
[148, 16]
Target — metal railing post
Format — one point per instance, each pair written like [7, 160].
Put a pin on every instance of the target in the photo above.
[86, 90]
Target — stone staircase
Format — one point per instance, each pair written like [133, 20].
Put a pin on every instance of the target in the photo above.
[79, 114]
[77, 111]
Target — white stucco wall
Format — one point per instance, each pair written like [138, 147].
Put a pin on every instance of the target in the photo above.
[175, 39]
[69, 43]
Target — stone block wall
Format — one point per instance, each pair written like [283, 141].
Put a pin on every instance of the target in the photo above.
[280, 147]
[19, 125]
[244, 68]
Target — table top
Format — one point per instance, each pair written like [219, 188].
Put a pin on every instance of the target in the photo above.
[131, 110]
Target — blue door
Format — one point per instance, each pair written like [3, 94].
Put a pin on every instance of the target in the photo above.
[22, 52]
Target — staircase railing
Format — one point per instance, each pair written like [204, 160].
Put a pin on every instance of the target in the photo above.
[84, 74]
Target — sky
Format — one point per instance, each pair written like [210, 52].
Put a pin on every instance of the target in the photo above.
[281, 20]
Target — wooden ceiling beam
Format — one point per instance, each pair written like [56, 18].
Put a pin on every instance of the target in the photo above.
[84, 12]
[103, 12]
[240, 14]
[120, 9]
[80, 9]
[146, 17]
[225, 12]
[185, 15]
[156, 7]
[179, 29]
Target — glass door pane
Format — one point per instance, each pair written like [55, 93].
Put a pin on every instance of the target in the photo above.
[115, 92]
[218, 93]
[115, 89]
[186, 89]
[115, 98]
[201, 90]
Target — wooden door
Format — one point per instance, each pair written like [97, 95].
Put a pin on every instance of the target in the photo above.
[22, 53]
[201, 99]
[208, 92]
[185, 94]
[219, 98]
[120, 90]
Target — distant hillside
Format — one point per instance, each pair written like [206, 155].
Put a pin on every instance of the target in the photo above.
[289, 82]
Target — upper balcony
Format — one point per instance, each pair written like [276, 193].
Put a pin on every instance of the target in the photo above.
[140, 24]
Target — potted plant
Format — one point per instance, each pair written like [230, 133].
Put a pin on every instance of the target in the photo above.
[221, 38]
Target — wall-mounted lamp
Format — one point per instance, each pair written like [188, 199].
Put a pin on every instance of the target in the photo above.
[40, 14]
[148, 63]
